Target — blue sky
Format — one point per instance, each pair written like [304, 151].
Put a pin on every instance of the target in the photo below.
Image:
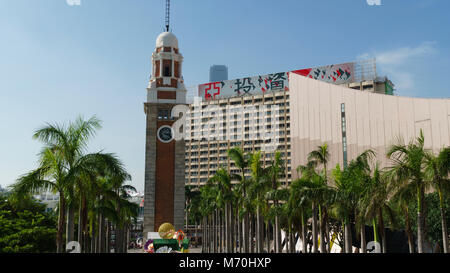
[59, 61]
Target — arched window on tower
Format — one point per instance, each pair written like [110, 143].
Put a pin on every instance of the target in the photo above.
[167, 68]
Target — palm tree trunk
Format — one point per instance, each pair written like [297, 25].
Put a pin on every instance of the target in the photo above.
[80, 225]
[218, 228]
[276, 248]
[218, 231]
[84, 226]
[214, 233]
[203, 234]
[348, 237]
[322, 230]
[420, 220]
[245, 233]
[362, 231]
[280, 241]
[226, 230]
[286, 241]
[304, 244]
[222, 231]
[211, 233]
[93, 236]
[118, 239]
[239, 225]
[93, 241]
[252, 232]
[61, 220]
[259, 237]
[274, 238]
[327, 230]
[238, 232]
[268, 236]
[261, 233]
[126, 237]
[205, 237]
[314, 228]
[232, 229]
[375, 230]
[292, 241]
[382, 231]
[70, 227]
[443, 222]
[408, 230]
[101, 231]
[108, 237]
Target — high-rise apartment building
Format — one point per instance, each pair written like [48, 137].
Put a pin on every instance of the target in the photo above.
[264, 98]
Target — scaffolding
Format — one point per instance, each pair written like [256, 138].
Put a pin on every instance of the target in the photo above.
[365, 70]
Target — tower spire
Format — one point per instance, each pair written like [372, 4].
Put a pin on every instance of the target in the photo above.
[167, 15]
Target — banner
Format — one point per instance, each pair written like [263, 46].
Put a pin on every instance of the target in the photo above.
[336, 74]
[244, 86]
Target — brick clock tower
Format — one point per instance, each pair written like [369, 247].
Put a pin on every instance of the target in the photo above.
[164, 156]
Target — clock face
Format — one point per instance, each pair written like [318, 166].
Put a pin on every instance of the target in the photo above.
[165, 134]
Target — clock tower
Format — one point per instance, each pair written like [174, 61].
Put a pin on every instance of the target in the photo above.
[164, 156]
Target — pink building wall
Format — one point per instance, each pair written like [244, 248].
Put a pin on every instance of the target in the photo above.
[373, 120]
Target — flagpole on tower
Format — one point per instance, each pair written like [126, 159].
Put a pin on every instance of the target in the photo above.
[167, 15]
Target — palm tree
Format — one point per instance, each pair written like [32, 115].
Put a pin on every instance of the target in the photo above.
[224, 199]
[437, 170]
[66, 169]
[207, 208]
[312, 187]
[273, 172]
[401, 198]
[49, 176]
[345, 202]
[299, 202]
[242, 162]
[351, 186]
[259, 186]
[377, 204]
[321, 156]
[408, 164]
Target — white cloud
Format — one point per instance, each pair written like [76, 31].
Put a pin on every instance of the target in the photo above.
[396, 63]
[400, 56]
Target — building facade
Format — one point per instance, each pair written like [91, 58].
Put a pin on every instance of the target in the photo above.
[372, 121]
[252, 123]
[309, 107]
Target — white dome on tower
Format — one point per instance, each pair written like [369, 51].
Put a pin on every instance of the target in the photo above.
[167, 39]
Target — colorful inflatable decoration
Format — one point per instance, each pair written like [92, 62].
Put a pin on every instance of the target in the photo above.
[166, 231]
[148, 247]
[179, 236]
[170, 242]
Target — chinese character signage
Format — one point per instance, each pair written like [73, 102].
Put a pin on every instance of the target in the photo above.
[245, 86]
[337, 74]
